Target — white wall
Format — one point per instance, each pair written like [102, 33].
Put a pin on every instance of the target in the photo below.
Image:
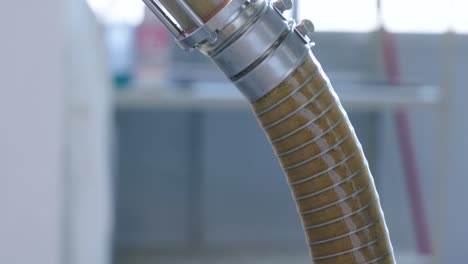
[31, 132]
[455, 239]
[55, 187]
[89, 209]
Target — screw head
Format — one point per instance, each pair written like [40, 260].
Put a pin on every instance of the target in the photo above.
[306, 28]
[283, 5]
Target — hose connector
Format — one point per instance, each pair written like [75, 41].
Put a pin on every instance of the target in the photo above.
[251, 41]
[283, 5]
[204, 31]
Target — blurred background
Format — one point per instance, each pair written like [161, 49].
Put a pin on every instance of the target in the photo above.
[118, 147]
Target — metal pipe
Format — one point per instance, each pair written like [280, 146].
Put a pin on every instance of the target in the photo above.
[161, 14]
[191, 13]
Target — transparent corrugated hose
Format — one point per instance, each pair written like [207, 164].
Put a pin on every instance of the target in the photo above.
[326, 169]
[318, 150]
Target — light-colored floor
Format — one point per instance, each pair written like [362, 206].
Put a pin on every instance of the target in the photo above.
[241, 257]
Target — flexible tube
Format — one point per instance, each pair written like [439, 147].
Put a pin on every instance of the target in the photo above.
[310, 133]
[326, 169]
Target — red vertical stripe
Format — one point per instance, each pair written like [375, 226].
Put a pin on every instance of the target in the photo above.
[412, 176]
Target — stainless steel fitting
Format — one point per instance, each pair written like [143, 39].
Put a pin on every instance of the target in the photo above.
[306, 28]
[283, 5]
[249, 40]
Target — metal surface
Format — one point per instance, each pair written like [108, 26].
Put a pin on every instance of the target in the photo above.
[255, 51]
[208, 31]
[252, 44]
[200, 36]
[283, 5]
[305, 29]
[158, 10]
[227, 14]
[191, 13]
[239, 25]
[275, 68]
[205, 31]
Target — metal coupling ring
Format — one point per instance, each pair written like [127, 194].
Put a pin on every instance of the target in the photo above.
[208, 31]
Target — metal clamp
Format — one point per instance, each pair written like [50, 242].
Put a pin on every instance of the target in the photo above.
[158, 9]
[257, 58]
[204, 31]
[252, 44]
[305, 29]
[283, 5]
[208, 31]
[275, 68]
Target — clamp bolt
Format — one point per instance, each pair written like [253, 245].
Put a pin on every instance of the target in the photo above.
[283, 5]
[306, 28]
